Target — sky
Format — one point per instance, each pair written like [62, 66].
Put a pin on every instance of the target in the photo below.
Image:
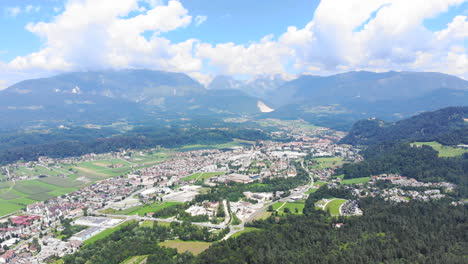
[242, 38]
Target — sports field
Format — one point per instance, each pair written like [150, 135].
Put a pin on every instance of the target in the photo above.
[334, 206]
[201, 176]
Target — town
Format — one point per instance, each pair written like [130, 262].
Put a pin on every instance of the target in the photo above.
[101, 192]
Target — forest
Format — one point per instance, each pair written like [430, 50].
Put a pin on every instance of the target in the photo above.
[447, 126]
[414, 232]
[81, 141]
[403, 233]
[420, 163]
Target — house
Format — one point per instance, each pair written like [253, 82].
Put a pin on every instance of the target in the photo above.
[7, 256]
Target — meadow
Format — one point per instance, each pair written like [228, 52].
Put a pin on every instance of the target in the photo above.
[281, 206]
[356, 180]
[444, 151]
[327, 162]
[247, 230]
[141, 210]
[195, 247]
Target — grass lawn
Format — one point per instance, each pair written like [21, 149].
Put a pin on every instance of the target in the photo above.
[444, 151]
[311, 190]
[356, 180]
[147, 224]
[327, 162]
[202, 176]
[141, 210]
[262, 216]
[246, 230]
[196, 247]
[319, 183]
[281, 206]
[334, 206]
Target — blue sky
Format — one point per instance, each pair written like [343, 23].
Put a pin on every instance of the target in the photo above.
[239, 21]
[207, 37]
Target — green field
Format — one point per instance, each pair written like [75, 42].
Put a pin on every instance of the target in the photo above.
[135, 260]
[62, 178]
[21, 193]
[234, 143]
[153, 208]
[281, 206]
[202, 176]
[444, 151]
[195, 247]
[334, 206]
[105, 233]
[326, 162]
[319, 183]
[301, 124]
[7, 207]
[247, 230]
[141, 210]
[311, 190]
[356, 180]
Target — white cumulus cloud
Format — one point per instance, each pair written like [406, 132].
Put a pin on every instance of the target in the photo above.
[99, 34]
[342, 35]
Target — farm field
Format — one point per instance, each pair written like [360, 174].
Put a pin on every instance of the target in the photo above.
[234, 143]
[202, 176]
[195, 247]
[65, 178]
[444, 151]
[16, 195]
[356, 180]
[327, 162]
[286, 123]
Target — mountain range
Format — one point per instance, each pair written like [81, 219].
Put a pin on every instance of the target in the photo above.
[139, 95]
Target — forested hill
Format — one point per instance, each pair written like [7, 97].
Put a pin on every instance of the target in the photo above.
[448, 126]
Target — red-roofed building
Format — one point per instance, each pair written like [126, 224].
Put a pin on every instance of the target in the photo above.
[24, 220]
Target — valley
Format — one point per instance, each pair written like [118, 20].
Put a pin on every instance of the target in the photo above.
[201, 194]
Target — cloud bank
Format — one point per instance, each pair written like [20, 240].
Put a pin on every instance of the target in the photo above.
[343, 35]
